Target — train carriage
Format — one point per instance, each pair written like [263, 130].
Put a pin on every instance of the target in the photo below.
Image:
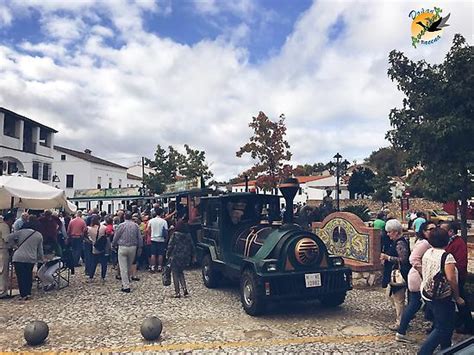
[243, 237]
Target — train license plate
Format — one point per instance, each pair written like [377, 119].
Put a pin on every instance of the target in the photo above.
[313, 280]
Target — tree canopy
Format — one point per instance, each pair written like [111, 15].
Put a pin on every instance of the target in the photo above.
[388, 160]
[435, 125]
[308, 169]
[268, 147]
[360, 182]
[171, 164]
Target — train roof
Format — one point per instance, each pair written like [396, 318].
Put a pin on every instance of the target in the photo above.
[234, 195]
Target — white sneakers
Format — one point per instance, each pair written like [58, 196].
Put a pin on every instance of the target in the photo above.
[403, 338]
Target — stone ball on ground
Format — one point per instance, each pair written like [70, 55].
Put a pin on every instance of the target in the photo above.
[36, 332]
[151, 328]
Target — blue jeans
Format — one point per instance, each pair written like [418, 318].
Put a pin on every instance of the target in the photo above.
[414, 305]
[444, 319]
[99, 259]
[76, 246]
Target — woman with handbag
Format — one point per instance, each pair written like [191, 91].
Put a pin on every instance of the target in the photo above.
[28, 245]
[414, 280]
[396, 267]
[100, 247]
[439, 289]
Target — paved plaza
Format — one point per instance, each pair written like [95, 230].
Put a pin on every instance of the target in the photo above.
[99, 318]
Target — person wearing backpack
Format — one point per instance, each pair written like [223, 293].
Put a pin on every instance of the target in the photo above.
[457, 247]
[440, 291]
[414, 281]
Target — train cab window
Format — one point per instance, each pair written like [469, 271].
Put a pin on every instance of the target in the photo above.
[236, 211]
[195, 210]
[211, 216]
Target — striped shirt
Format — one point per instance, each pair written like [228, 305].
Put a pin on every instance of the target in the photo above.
[128, 235]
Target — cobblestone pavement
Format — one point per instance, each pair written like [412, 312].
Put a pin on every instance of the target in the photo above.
[94, 317]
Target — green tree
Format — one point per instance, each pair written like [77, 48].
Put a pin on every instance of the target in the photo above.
[268, 147]
[389, 160]
[416, 184]
[382, 188]
[320, 167]
[308, 169]
[435, 126]
[360, 182]
[194, 164]
[168, 165]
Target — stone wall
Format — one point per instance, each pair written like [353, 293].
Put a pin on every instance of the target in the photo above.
[470, 257]
[418, 204]
[367, 279]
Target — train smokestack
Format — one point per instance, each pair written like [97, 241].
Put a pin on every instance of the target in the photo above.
[289, 187]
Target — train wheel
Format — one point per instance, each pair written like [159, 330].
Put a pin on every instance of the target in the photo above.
[250, 297]
[210, 276]
[334, 300]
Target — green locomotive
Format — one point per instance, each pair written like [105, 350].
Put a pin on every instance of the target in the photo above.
[243, 237]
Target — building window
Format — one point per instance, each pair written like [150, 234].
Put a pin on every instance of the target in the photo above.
[120, 183]
[12, 167]
[110, 183]
[46, 172]
[1, 167]
[300, 191]
[9, 126]
[35, 174]
[69, 181]
[45, 138]
[63, 156]
[99, 182]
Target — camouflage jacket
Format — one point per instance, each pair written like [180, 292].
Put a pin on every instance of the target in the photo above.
[181, 250]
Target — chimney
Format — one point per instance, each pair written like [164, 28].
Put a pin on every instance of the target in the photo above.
[289, 187]
[87, 151]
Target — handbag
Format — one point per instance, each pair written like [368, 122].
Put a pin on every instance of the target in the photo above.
[100, 242]
[396, 277]
[166, 275]
[438, 287]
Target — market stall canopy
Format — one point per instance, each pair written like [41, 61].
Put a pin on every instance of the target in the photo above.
[24, 192]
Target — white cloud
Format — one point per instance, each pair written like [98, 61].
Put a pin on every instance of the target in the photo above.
[124, 100]
[5, 16]
[62, 28]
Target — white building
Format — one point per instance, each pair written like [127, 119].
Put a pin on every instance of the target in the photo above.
[26, 146]
[77, 170]
[137, 170]
[311, 188]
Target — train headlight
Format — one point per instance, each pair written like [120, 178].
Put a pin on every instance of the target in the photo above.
[337, 261]
[271, 267]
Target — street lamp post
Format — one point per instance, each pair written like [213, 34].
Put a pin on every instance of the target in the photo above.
[340, 168]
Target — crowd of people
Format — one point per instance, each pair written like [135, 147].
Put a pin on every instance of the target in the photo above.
[124, 242]
[433, 275]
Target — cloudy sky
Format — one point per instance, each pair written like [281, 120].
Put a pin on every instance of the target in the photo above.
[121, 76]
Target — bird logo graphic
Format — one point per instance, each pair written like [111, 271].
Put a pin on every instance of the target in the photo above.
[427, 25]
